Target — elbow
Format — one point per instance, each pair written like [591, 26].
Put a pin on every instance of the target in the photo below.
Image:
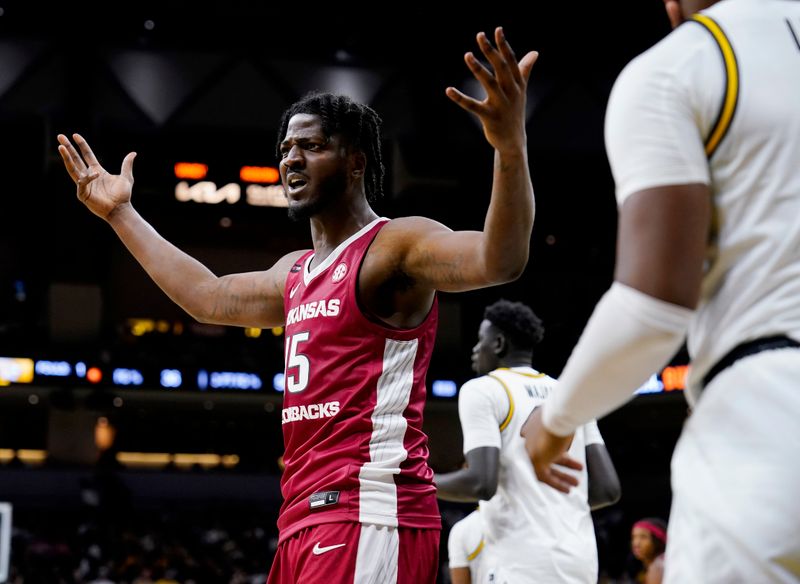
[485, 486]
[515, 272]
[613, 495]
[606, 497]
[485, 492]
[506, 271]
[202, 319]
[197, 313]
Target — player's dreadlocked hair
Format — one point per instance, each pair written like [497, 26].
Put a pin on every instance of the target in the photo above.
[523, 328]
[358, 125]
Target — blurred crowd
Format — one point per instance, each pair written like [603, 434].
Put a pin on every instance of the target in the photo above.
[156, 547]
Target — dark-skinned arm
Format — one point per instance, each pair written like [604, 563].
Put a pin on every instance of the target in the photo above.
[661, 251]
[460, 576]
[250, 299]
[476, 482]
[438, 258]
[604, 486]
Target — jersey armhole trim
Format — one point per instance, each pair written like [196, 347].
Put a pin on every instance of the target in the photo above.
[730, 96]
[476, 551]
[507, 420]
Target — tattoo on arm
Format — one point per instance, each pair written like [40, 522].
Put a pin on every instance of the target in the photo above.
[231, 305]
[444, 272]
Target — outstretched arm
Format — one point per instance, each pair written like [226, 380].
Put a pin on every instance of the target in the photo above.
[250, 299]
[453, 261]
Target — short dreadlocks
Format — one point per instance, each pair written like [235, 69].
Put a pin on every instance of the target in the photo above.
[358, 125]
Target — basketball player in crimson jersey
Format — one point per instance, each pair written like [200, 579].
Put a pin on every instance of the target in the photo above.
[360, 314]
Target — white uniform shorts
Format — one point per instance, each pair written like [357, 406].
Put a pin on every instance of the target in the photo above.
[736, 478]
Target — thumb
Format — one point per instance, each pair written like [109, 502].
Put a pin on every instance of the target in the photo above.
[127, 166]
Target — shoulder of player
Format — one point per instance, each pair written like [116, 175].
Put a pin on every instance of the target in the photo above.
[672, 56]
[395, 242]
[409, 230]
[288, 261]
[457, 530]
[280, 270]
[482, 385]
[292, 257]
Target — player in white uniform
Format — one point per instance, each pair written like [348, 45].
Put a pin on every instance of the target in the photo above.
[703, 136]
[532, 532]
[466, 552]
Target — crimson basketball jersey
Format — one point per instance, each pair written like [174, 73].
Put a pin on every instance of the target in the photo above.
[353, 399]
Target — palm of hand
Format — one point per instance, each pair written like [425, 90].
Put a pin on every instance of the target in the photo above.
[100, 191]
[105, 192]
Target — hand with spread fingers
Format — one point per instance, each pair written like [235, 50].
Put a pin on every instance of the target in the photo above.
[502, 112]
[100, 191]
[548, 452]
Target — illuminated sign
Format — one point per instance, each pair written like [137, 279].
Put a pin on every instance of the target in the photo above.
[15, 370]
[207, 192]
[94, 375]
[444, 388]
[234, 380]
[191, 170]
[123, 376]
[271, 196]
[262, 188]
[53, 368]
[259, 174]
[671, 378]
[228, 380]
[171, 378]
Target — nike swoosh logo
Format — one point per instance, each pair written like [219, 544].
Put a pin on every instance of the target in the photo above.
[321, 550]
[293, 290]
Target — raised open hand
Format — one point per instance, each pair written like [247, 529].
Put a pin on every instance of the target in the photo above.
[100, 191]
[502, 113]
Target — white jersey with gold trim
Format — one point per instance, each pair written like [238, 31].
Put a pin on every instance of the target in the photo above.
[717, 102]
[466, 549]
[533, 532]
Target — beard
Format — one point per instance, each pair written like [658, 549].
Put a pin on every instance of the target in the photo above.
[330, 191]
[307, 209]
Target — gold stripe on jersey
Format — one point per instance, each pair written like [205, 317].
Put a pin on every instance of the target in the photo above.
[507, 421]
[531, 375]
[731, 96]
[475, 552]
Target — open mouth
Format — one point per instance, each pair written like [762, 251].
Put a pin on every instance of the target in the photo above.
[296, 181]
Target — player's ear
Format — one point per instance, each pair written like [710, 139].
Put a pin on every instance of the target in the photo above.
[500, 345]
[358, 163]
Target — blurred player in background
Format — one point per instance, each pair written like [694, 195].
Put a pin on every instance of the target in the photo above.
[532, 532]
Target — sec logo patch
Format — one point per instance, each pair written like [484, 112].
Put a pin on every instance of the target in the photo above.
[339, 272]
